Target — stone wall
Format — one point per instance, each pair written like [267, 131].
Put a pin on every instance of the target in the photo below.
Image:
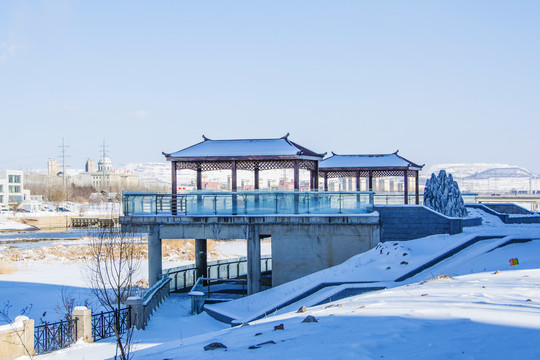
[407, 222]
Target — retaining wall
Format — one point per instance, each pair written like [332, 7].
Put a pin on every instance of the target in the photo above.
[408, 222]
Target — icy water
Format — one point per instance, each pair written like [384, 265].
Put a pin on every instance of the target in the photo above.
[23, 240]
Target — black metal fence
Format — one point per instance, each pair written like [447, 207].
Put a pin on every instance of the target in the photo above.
[54, 336]
[104, 323]
[184, 277]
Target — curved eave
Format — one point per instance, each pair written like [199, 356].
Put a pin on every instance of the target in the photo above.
[243, 158]
[379, 168]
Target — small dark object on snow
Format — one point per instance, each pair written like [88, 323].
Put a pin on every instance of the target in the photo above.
[261, 344]
[257, 334]
[404, 263]
[388, 253]
[424, 294]
[497, 272]
[396, 244]
[528, 300]
[310, 319]
[279, 327]
[303, 309]
[405, 254]
[388, 268]
[214, 346]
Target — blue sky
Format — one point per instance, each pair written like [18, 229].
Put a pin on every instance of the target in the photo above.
[442, 81]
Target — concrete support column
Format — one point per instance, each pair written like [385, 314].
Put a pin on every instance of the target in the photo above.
[253, 259]
[84, 323]
[201, 258]
[154, 255]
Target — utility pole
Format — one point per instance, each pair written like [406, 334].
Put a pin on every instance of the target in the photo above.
[64, 181]
[103, 156]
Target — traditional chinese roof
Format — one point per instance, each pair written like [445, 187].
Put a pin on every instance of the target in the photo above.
[367, 162]
[244, 149]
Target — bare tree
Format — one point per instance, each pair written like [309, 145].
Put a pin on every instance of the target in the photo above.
[110, 272]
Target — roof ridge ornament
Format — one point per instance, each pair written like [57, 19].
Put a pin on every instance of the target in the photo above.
[396, 151]
[333, 153]
[205, 138]
[286, 137]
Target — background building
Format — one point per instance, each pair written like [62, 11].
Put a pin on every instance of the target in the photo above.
[11, 188]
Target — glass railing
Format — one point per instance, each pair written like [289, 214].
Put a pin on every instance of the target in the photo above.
[248, 203]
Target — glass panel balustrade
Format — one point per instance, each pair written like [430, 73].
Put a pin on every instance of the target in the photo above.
[248, 203]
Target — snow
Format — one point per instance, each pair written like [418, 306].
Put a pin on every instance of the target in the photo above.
[10, 225]
[483, 308]
[363, 161]
[230, 148]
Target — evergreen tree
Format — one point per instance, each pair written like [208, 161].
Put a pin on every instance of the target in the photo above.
[442, 194]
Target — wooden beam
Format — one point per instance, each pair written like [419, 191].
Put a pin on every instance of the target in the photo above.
[234, 179]
[256, 179]
[174, 189]
[417, 188]
[370, 182]
[199, 178]
[296, 175]
[325, 181]
[316, 177]
[406, 186]
[358, 181]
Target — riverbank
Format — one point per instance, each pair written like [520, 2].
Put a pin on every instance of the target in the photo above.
[43, 222]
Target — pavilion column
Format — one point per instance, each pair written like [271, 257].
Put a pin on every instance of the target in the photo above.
[234, 187]
[199, 187]
[417, 188]
[296, 168]
[201, 258]
[154, 255]
[256, 178]
[316, 177]
[256, 185]
[325, 181]
[406, 187]
[296, 184]
[253, 259]
[174, 189]
[370, 187]
[358, 199]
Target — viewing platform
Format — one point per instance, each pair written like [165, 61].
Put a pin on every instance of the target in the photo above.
[245, 203]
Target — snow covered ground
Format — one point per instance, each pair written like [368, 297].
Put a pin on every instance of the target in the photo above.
[483, 308]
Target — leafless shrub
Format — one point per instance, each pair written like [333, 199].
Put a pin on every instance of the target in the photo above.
[110, 272]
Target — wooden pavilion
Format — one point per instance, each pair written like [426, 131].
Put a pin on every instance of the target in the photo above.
[371, 166]
[246, 154]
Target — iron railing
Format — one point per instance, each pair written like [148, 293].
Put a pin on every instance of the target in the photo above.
[55, 336]
[184, 277]
[248, 203]
[105, 323]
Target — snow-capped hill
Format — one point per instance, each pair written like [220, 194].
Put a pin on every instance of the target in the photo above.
[503, 173]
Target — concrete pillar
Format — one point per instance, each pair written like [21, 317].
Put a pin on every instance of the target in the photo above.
[17, 338]
[154, 255]
[84, 323]
[201, 258]
[253, 260]
[136, 311]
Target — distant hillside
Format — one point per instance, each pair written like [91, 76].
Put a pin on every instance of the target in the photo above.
[489, 178]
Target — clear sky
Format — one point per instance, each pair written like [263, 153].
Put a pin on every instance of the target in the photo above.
[442, 81]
